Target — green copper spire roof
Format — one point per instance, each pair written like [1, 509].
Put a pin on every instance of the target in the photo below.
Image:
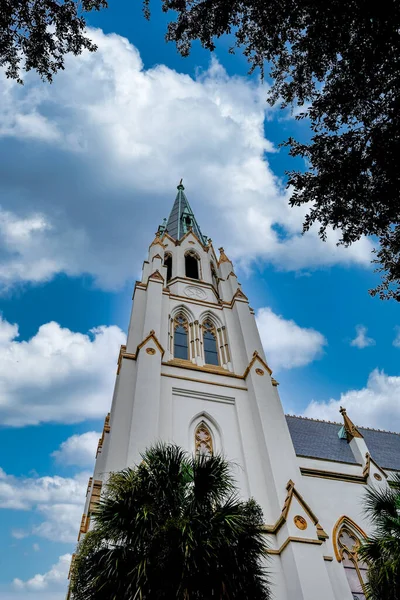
[182, 218]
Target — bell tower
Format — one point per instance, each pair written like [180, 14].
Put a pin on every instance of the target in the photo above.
[193, 372]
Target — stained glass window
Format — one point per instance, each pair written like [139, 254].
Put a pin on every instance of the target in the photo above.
[181, 346]
[210, 344]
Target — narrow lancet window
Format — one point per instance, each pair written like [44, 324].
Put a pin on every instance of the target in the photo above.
[210, 344]
[192, 266]
[168, 264]
[181, 346]
[203, 440]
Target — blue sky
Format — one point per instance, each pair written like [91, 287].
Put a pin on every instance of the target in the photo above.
[89, 169]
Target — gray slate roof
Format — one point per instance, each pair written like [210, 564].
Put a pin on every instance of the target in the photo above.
[319, 439]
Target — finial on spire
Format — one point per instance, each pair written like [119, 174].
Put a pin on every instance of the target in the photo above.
[350, 428]
[223, 257]
[180, 186]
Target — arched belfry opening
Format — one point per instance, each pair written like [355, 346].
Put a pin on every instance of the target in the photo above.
[168, 264]
[192, 267]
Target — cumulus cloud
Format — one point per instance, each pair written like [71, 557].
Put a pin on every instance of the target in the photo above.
[90, 164]
[286, 344]
[362, 340]
[55, 577]
[58, 501]
[58, 375]
[375, 405]
[78, 450]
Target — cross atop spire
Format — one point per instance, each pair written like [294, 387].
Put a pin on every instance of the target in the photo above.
[181, 220]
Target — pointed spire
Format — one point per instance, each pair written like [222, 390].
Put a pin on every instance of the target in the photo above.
[181, 220]
[349, 427]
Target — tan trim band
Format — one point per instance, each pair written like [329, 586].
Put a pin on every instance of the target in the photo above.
[297, 540]
[235, 387]
[333, 475]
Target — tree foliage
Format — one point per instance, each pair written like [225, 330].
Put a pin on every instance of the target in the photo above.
[382, 550]
[36, 34]
[340, 61]
[173, 527]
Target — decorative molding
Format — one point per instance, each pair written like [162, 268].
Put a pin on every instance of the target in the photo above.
[156, 256]
[71, 566]
[239, 295]
[256, 357]
[260, 372]
[298, 540]
[106, 429]
[89, 485]
[156, 240]
[291, 493]
[367, 468]
[151, 351]
[300, 522]
[225, 385]
[203, 440]
[202, 396]
[157, 276]
[320, 473]
[95, 497]
[350, 428]
[151, 336]
[186, 364]
[84, 528]
[223, 257]
[274, 382]
[194, 291]
[328, 558]
[344, 521]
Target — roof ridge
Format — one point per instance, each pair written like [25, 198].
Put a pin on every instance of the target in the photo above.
[341, 424]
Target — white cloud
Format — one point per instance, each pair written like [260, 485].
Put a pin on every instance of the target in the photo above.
[78, 449]
[396, 341]
[57, 500]
[36, 547]
[375, 405]
[55, 577]
[107, 143]
[362, 340]
[286, 344]
[58, 375]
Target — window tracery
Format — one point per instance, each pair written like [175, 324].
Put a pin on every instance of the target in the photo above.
[347, 544]
[203, 440]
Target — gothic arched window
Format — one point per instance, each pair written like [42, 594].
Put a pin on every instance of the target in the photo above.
[203, 440]
[347, 541]
[192, 265]
[181, 344]
[210, 344]
[168, 264]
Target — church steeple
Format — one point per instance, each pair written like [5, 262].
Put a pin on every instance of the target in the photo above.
[182, 219]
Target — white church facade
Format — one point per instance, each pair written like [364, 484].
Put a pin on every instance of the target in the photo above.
[194, 372]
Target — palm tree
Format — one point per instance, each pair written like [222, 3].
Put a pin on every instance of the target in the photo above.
[173, 528]
[382, 550]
